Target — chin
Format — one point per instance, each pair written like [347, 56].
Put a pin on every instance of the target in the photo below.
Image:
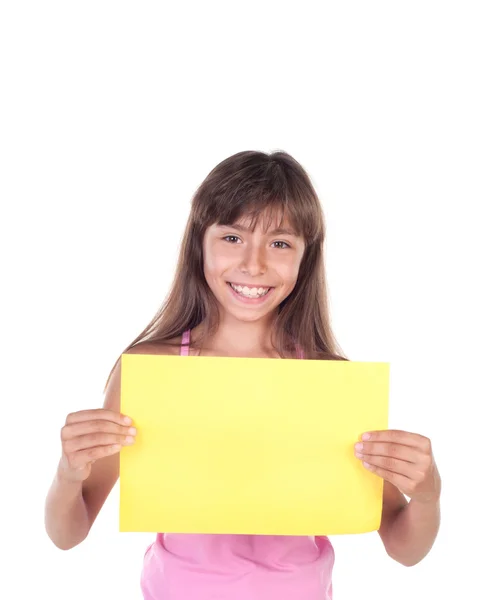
[247, 316]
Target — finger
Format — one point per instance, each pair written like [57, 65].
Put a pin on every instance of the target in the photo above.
[394, 465]
[98, 413]
[92, 440]
[389, 449]
[79, 460]
[94, 426]
[399, 437]
[403, 483]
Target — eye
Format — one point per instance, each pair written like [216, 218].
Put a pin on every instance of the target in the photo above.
[283, 246]
[232, 239]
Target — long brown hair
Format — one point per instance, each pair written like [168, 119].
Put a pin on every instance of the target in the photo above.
[252, 184]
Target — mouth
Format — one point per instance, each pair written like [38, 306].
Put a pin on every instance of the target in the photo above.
[246, 292]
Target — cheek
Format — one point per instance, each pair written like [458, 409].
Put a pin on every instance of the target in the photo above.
[215, 262]
[289, 271]
[292, 276]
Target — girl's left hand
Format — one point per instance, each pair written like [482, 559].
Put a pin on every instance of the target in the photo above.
[404, 459]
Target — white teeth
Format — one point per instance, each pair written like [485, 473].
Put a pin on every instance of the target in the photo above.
[250, 292]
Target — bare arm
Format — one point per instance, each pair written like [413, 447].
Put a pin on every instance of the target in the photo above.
[408, 530]
[66, 518]
[406, 463]
[72, 505]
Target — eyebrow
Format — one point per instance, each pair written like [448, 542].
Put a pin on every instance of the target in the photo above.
[279, 231]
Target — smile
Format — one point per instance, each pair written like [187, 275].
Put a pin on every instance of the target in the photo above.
[250, 291]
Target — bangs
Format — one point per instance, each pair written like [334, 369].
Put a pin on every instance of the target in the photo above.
[266, 201]
[269, 215]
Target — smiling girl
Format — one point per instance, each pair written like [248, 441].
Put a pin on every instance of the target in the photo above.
[250, 282]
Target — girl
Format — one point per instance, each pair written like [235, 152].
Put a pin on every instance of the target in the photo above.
[250, 282]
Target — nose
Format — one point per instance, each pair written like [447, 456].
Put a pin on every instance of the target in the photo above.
[253, 261]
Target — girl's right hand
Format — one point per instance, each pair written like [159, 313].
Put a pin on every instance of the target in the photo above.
[89, 435]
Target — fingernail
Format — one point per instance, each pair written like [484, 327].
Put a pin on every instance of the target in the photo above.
[127, 420]
[365, 436]
[129, 439]
[367, 465]
[132, 430]
[359, 446]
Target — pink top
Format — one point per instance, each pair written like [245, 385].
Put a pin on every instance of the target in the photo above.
[237, 567]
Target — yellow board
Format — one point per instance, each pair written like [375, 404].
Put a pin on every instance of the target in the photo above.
[250, 445]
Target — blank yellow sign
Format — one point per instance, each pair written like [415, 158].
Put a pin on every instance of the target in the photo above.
[250, 445]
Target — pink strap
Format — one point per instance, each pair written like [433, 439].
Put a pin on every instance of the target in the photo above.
[300, 351]
[186, 339]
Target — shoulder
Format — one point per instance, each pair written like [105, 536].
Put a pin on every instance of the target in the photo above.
[168, 348]
[319, 355]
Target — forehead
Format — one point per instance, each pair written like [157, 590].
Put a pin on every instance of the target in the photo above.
[268, 222]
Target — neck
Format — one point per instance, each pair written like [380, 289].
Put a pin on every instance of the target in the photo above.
[238, 338]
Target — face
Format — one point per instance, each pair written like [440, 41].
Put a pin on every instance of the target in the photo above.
[251, 272]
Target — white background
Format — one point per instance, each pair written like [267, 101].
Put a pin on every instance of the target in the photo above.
[112, 113]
